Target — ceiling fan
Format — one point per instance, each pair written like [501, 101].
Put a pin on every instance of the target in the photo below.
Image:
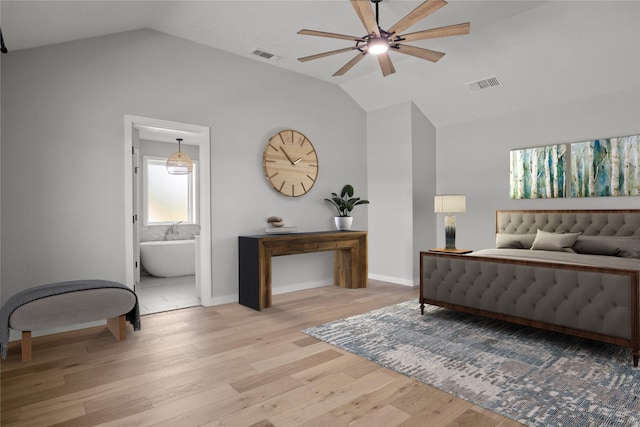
[379, 42]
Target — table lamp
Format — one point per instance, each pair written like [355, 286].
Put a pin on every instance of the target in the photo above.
[449, 204]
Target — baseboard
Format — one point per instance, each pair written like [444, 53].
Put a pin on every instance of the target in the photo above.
[396, 280]
[226, 299]
[300, 286]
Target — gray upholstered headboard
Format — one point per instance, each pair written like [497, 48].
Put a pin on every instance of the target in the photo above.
[588, 222]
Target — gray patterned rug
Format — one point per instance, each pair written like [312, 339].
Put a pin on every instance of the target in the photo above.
[536, 377]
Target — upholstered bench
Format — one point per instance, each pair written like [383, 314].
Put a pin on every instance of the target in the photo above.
[68, 303]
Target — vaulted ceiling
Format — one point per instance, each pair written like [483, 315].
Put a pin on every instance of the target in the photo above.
[542, 52]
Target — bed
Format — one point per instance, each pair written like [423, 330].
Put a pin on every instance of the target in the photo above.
[570, 271]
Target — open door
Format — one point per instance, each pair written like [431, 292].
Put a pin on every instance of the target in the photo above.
[132, 201]
[136, 177]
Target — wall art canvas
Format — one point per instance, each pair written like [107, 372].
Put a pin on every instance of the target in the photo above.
[538, 172]
[606, 167]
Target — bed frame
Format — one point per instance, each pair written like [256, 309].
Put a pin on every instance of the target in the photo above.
[598, 303]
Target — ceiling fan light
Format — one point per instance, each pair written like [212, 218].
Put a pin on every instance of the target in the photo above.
[179, 163]
[377, 46]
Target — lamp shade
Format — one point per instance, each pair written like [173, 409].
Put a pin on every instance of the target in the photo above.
[449, 203]
[179, 163]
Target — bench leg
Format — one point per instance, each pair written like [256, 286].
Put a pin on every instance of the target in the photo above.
[118, 327]
[26, 346]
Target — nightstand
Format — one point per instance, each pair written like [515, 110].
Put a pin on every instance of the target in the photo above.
[451, 251]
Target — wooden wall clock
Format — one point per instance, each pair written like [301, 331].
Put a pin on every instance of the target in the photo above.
[290, 163]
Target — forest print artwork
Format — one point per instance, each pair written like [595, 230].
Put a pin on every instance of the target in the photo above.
[606, 167]
[538, 172]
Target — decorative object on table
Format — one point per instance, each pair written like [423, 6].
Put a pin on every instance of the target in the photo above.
[278, 226]
[290, 163]
[344, 204]
[449, 204]
[539, 378]
[179, 163]
[378, 41]
[275, 221]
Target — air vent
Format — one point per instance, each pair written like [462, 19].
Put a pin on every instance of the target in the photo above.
[265, 55]
[487, 83]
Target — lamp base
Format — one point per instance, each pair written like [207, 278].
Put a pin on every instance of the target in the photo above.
[450, 232]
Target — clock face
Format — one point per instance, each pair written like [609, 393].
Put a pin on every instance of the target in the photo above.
[290, 163]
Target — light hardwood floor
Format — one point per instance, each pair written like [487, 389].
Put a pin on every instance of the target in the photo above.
[227, 365]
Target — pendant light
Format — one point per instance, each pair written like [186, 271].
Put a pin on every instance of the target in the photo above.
[179, 163]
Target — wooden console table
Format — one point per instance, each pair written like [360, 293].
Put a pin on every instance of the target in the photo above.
[255, 252]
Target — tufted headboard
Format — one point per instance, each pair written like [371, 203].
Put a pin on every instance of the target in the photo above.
[619, 222]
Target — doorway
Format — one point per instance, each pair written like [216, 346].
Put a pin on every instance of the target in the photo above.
[137, 128]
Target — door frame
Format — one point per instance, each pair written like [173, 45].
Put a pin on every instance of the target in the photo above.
[203, 264]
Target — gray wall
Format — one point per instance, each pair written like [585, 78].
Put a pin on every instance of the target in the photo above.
[478, 166]
[424, 186]
[63, 110]
[401, 162]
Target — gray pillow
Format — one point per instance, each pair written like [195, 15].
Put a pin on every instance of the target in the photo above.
[561, 242]
[621, 246]
[514, 241]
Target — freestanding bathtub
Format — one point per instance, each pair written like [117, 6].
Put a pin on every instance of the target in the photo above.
[169, 258]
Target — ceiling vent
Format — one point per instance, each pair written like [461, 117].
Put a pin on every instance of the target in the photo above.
[487, 83]
[265, 55]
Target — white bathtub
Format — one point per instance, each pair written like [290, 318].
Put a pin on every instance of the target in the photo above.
[169, 258]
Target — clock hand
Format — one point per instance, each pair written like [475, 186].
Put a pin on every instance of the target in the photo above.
[285, 153]
[296, 162]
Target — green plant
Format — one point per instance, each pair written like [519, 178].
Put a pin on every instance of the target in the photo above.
[346, 202]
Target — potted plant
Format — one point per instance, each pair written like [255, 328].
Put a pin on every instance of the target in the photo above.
[344, 205]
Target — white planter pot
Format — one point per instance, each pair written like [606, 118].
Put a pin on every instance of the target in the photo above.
[343, 222]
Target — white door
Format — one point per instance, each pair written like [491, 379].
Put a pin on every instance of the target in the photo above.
[137, 174]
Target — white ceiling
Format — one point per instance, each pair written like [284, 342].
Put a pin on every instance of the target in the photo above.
[543, 52]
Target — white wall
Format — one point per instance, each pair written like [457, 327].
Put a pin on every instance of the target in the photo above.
[473, 158]
[401, 165]
[63, 108]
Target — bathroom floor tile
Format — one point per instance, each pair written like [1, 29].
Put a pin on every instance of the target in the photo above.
[157, 294]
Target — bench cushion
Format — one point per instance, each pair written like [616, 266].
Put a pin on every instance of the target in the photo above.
[64, 303]
[72, 308]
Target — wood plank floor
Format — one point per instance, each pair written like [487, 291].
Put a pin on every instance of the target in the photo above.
[226, 365]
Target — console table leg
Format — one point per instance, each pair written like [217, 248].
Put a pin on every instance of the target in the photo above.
[342, 274]
[265, 285]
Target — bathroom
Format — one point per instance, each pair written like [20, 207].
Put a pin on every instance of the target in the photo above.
[167, 223]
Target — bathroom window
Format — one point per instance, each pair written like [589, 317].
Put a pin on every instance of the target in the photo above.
[168, 198]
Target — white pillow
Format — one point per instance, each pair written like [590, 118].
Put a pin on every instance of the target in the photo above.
[514, 241]
[546, 241]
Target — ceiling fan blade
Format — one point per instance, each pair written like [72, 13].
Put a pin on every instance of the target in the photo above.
[346, 67]
[322, 55]
[418, 52]
[451, 30]
[330, 35]
[385, 64]
[417, 14]
[365, 13]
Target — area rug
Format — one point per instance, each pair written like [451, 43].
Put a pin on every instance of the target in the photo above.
[536, 377]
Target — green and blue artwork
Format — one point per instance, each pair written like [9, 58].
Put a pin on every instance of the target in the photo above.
[538, 172]
[606, 167]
